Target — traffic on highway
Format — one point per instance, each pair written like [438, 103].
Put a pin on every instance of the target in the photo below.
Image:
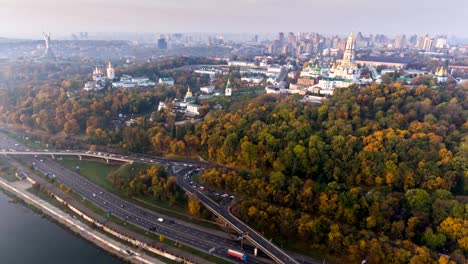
[173, 229]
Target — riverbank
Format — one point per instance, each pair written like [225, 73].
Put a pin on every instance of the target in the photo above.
[19, 189]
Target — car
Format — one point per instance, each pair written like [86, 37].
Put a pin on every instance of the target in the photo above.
[100, 192]
[94, 195]
[160, 220]
[123, 206]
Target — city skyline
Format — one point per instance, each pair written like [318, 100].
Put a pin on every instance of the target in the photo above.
[20, 18]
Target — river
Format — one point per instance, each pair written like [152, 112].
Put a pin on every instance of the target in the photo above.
[26, 237]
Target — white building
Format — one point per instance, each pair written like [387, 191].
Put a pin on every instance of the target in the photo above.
[93, 86]
[127, 81]
[193, 109]
[167, 81]
[252, 79]
[273, 70]
[208, 70]
[207, 89]
[241, 63]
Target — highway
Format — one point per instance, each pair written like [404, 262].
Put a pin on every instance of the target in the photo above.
[223, 211]
[127, 211]
[138, 216]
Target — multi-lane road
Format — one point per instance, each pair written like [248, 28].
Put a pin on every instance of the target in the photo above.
[173, 229]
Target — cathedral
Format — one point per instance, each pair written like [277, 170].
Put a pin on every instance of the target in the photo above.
[343, 73]
[347, 68]
[441, 75]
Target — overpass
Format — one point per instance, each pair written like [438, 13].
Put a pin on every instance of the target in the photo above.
[66, 153]
[223, 212]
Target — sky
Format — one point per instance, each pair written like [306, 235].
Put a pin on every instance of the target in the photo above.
[29, 18]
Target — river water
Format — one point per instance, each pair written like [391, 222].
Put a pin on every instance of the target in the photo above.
[26, 237]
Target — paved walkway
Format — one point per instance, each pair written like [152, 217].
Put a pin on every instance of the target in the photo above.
[19, 188]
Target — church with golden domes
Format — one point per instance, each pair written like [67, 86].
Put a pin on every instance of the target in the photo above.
[347, 67]
[343, 73]
[441, 74]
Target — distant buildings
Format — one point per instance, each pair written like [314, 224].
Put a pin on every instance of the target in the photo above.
[390, 62]
[343, 73]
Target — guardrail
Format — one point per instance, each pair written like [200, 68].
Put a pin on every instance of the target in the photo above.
[57, 153]
[256, 243]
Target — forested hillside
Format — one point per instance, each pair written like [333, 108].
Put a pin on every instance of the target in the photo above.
[378, 172]
[372, 173]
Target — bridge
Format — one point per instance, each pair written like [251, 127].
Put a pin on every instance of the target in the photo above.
[104, 156]
[223, 212]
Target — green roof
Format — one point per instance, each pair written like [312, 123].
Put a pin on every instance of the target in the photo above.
[336, 79]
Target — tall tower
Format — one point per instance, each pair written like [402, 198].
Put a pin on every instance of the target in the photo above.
[348, 57]
[48, 54]
[188, 96]
[110, 72]
[228, 91]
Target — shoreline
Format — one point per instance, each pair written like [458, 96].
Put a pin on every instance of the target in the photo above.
[77, 227]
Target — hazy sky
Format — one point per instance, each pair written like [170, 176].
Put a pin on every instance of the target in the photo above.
[28, 18]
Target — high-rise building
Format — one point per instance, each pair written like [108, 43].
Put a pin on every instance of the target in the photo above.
[162, 44]
[400, 41]
[413, 40]
[427, 43]
[291, 38]
[441, 43]
[281, 37]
